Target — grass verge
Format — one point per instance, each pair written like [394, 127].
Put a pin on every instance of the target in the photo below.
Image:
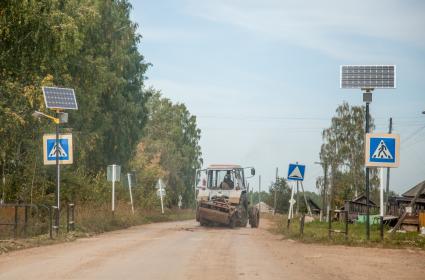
[317, 232]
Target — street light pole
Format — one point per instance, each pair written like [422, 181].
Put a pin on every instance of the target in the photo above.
[57, 176]
[367, 97]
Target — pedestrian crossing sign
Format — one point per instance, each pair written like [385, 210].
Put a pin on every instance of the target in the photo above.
[382, 150]
[63, 148]
[296, 172]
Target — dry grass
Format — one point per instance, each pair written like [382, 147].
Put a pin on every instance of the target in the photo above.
[91, 220]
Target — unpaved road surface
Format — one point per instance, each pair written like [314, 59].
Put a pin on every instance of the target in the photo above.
[183, 250]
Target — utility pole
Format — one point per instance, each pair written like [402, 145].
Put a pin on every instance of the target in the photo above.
[388, 172]
[259, 193]
[275, 186]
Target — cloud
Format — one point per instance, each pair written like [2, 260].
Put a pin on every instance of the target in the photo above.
[336, 28]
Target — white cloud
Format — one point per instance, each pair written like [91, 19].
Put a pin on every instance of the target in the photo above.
[328, 26]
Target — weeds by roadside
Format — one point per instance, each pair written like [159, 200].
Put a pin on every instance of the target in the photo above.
[317, 232]
[94, 220]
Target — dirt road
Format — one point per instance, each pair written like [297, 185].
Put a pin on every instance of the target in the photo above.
[183, 250]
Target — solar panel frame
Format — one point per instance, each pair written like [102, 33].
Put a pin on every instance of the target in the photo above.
[368, 76]
[60, 98]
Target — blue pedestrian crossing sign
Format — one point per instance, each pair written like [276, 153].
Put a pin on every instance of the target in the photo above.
[296, 172]
[63, 148]
[382, 150]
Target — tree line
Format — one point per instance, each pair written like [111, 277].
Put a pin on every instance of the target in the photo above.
[92, 47]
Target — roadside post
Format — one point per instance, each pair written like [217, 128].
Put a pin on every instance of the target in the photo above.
[275, 189]
[295, 173]
[367, 78]
[129, 180]
[113, 173]
[382, 150]
[59, 149]
[160, 192]
[180, 204]
[259, 193]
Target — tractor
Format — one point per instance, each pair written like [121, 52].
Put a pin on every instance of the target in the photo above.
[222, 197]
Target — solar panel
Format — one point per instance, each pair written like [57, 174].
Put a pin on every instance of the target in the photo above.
[60, 98]
[368, 76]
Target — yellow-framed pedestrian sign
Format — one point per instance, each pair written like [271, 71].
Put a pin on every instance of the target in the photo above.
[382, 150]
[64, 148]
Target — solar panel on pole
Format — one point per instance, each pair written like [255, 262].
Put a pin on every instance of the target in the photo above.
[60, 98]
[368, 76]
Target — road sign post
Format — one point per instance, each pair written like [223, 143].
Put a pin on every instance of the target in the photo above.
[367, 78]
[58, 99]
[382, 150]
[161, 193]
[295, 173]
[113, 175]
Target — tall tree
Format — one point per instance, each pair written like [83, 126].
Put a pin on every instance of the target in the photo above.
[89, 45]
[169, 149]
[343, 152]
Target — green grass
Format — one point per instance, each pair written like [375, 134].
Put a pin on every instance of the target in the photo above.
[317, 232]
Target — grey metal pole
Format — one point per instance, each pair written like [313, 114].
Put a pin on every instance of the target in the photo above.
[387, 192]
[325, 185]
[259, 193]
[58, 172]
[367, 180]
[275, 185]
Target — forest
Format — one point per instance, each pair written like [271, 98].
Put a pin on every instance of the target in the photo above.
[93, 47]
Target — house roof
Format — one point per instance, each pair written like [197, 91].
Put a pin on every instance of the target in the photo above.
[312, 203]
[413, 191]
[363, 197]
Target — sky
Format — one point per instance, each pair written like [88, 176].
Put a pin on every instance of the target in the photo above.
[262, 77]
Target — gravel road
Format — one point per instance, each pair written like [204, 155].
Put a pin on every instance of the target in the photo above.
[184, 250]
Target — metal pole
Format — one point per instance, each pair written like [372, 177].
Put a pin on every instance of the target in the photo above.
[381, 204]
[131, 195]
[388, 173]
[58, 172]
[325, 185]
[113, 187]
[259, 193]
[367, 180]
[275, 186]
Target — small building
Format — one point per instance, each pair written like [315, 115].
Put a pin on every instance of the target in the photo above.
[315, 209]
[397, 204]
[358, 206]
